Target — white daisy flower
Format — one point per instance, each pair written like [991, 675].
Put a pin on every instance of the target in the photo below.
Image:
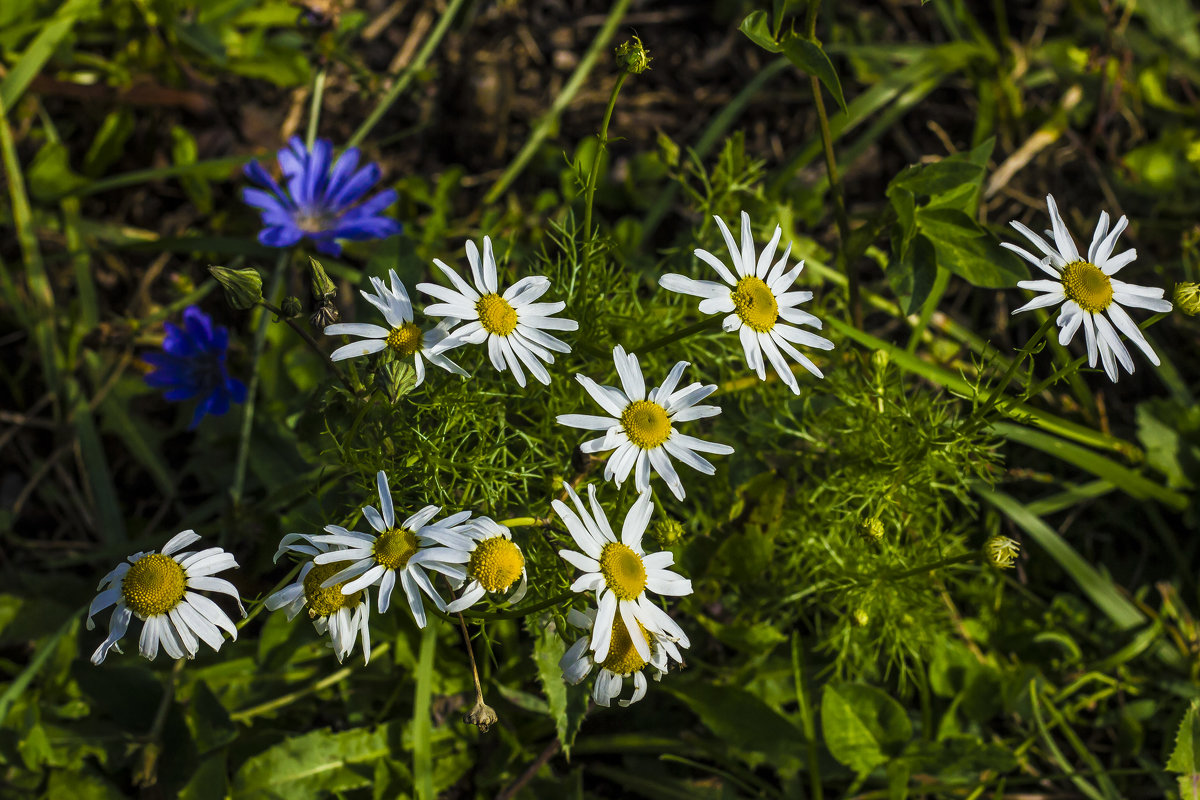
[494, 562]
[343, 616]
[403, 336]
[641, 427]
[1091, 298]
[161, 590]
[512, 324]
[759, 304]
[622, 661]
[620, 572]
[403, 550]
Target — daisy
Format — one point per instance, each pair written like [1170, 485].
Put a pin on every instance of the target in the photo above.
[622, 661]
[494, 562]
[403, 336]
[759, 304]
[513, 326]
[1089, 296]
[403, 549]
[157, 588]
[343, 616]
[620, 572]
[641, 428]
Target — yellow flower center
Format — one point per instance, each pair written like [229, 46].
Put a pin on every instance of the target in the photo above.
[496, 563]
[323, 602]
[623, 658]
[755, 303]
[395, 547]
[646, 424]
[1087, 285]
[405, 339]
[622, 570]
[496, 314]
[153, 585]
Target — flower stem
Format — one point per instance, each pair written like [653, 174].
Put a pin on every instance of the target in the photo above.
[1007, 377]
[260, 340]
[255, 608]
[289, 698]
[307, 337]
[707, 324]
[524, 612]
[835, 182]
[314, 111]
[589, 191]
[962, 558]
[524, 522]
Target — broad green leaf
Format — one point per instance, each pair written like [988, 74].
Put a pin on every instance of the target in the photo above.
[82, 784]
[314, 764]
[912, 276]
[757, 27]
[969, 251]
[1185, 758]
[109, 143]
[208, 719]
[743, 722]
[50, 174]
[927, 180]
[567, 704]
[863, 727]
[809, 57]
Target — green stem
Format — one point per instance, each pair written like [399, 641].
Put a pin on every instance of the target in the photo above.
[314, 110]
[260, 340]
[524, 612]
[590, 189]
[707, 324]
[291, 697]
[835, 183]
[930, 567]
[549, 121]
[406, 77]
[523, 522]
[255, 608]
[312, 343]
[1026, 351]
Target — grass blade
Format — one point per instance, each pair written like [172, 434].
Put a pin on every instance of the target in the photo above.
[422, 730]
[39, 51]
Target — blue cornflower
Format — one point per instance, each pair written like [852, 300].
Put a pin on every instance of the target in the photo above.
[192, 364]
[319, 202]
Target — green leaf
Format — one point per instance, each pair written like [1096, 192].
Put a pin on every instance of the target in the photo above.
[744, 722]
[863, 727]
[968, 250]
[1185, 758]
[567, 704]
[184, 152]
[109, 143]
[809, 57]
[40, 49]
[927, 180]
[912, 276]
[50, 174]
[314, 765]
[758, 29]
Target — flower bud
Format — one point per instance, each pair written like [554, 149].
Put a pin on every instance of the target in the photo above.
[325, 315]
[1187, 298]
[666, 532]
[632, 57]
[243, 287]
[291, 307]
[871, 528]
[482, 715]
[322, 287]
[1001, 551]
[860, 618]
[879, 360]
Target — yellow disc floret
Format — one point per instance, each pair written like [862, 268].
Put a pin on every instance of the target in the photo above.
[323, 602]
[496, 563]
[646, 424]
[755, 303]
[395, 547]
[622, 570]
[623, 657]
[496, 314]
[405, 339]
[1087, 285]
[153, 585]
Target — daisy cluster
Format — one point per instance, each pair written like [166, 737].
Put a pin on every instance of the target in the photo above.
[454, 560]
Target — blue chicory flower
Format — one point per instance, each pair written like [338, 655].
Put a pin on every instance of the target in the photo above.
[321, 203]
[192, 364]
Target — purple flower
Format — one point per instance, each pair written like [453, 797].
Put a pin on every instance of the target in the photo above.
[192, 364]
[321, 203]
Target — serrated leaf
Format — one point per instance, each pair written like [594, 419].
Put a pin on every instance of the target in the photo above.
[567, 704]
[313, 765]
[863, 727]
[809, 57]
[1185, 757]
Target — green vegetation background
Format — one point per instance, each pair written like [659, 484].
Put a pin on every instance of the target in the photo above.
[825, 662]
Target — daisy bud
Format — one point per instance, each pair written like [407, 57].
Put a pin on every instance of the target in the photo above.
[322, 286]
[482, 716]
[871, 529]
[861, 618]
[1001, 551]
[325, 315]
[1187, 298]
[243, 287]
[666, 532]
[879, 360]
[291, 307]
[632, 57]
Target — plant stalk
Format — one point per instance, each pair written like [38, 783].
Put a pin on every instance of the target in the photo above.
[589, 192]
